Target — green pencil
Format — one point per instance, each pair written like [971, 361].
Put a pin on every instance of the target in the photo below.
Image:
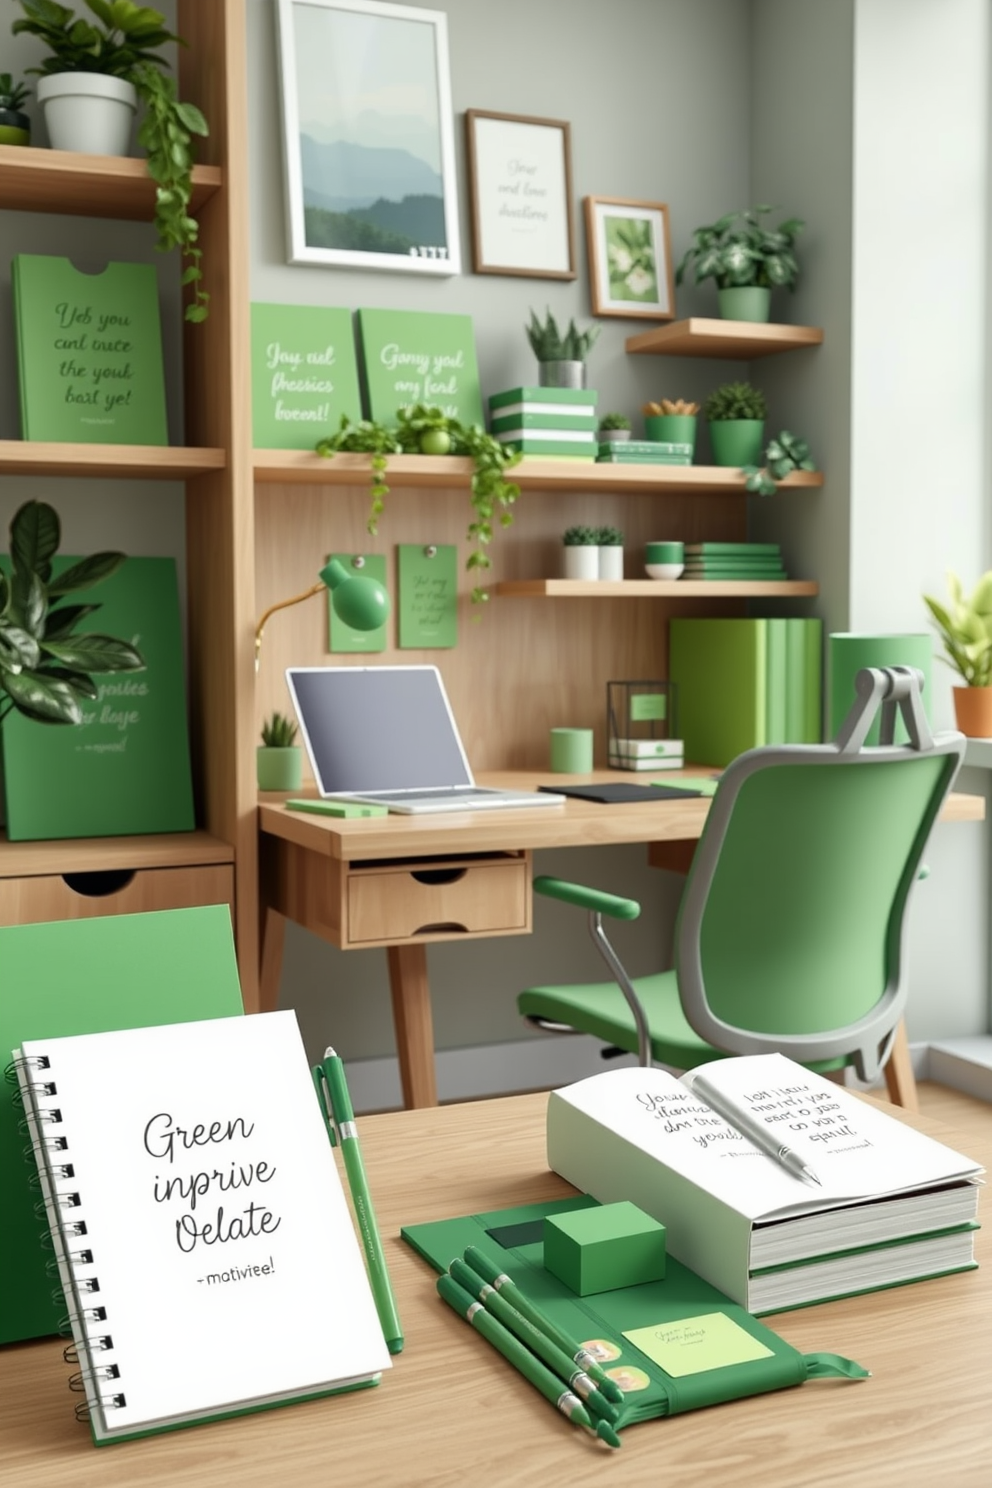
[537, 1341]
[480, 1262]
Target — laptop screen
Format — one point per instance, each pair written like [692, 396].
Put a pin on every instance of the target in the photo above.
[377, 728]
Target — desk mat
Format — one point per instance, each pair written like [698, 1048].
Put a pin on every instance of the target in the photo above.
[681, 1312]
[621, 792]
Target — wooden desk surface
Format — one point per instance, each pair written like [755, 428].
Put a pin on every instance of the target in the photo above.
[452, 1413]
[575, 824]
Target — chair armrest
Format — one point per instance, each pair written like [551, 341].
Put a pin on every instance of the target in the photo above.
[585, 898]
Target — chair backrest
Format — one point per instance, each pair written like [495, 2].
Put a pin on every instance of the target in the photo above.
[791, 930]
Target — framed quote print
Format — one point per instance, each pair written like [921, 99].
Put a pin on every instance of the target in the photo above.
[520, 175]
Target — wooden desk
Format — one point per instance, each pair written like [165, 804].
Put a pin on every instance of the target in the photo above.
[452, 1412]
[403, 882]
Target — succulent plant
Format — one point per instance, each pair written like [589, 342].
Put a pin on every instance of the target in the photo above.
[614, 421]
[549, 344]
[735, 400]
[581, 537]
[278, 732]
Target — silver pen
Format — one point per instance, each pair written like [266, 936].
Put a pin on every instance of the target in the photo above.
[756, 1131]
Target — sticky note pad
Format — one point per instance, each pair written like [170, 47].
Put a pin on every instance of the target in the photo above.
[600, 1249]
[690, 1345]
[331, 807]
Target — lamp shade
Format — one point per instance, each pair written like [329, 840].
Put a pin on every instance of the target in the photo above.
[359, 601]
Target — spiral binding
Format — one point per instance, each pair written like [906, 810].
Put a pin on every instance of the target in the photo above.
[56, 1207]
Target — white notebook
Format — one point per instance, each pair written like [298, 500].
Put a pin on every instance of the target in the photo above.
[205, 1246]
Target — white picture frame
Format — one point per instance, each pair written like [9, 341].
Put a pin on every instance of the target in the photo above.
[520, 173]
[367, 136]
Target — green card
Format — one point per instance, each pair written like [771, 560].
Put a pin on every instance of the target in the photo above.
[342, 637]
[304, 374]
[691, 1345]
[126, 768]
[427, 578]
[413, 356]
[89, 352]
[647, 705]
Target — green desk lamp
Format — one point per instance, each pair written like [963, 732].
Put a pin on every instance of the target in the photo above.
[358, 600]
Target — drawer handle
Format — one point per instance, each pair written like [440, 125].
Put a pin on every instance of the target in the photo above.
[438, 875]
[99, 884]
[443, 927]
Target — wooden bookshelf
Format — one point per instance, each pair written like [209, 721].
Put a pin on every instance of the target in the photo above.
[657, 589]
[740, 340]
[110, 461]
[33, 180]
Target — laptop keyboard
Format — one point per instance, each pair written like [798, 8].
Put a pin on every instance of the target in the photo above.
[436, 793]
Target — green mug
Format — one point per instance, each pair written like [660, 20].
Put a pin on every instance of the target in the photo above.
[571, 751]
[664, 560]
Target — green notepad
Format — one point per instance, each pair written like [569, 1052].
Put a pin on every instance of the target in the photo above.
[671, 1345]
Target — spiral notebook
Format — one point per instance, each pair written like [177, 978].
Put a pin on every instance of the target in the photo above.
[200, 1229]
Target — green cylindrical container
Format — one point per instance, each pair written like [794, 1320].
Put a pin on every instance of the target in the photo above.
[744, 302]
[672, 428]
[279, 769]
[737, 441]
[849, 651]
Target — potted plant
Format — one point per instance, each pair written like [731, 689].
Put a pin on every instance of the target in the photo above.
[116, 57]
[672, 421]
[279, 759]
[614, 428]
[736, 414]
[422, 429]
[782, 456]
[581, 545]
[747, 257]
[561, 355]
[965, 628]
[610, 541]
[15, 126]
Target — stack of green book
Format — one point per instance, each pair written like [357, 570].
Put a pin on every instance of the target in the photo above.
[746, 682]
[644, 452]
[729, 560]
[560, 422]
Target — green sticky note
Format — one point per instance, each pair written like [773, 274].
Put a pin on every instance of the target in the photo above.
[416, 356]
[648, 705]
[304, 374]
[342, 637]
[427, 583]
[691, 1345]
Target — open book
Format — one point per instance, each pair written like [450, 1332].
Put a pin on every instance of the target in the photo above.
[204, 1243]
[889, 1205]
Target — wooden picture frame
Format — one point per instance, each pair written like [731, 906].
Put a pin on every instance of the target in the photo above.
[520, 179]
[630, 258]
[368, 138]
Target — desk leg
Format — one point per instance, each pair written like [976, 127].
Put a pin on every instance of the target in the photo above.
[270, 968]
[412, 1021]
[899, 1077]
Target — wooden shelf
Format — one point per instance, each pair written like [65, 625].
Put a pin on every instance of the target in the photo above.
[301, 467]
[656, 588]
[106, 854]
[111, 461]
[740, 340]
[33, 180]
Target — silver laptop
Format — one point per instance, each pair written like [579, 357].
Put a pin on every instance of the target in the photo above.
[386, 734]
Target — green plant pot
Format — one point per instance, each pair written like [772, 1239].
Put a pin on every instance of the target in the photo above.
[15, 127]
[672, 428]
[745, 302]
[737, 441]
[279, 769]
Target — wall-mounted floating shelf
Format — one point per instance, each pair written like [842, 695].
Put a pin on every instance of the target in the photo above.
[740, 340]
[36, 180]
[656, 588]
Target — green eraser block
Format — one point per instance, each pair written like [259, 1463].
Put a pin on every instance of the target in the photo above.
[336, 808]
[601, 1249]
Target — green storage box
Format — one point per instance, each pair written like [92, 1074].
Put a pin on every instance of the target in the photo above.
[599, 1250]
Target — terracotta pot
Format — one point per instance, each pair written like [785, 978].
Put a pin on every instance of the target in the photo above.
[973, 711]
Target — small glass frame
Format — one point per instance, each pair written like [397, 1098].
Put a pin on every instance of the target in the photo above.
[642, 726]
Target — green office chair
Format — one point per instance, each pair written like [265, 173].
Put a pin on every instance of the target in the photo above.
[790, 933]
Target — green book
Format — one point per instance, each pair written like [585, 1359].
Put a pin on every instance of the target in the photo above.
[126, 767]
[732, 548]
[419, 356]
[584, 398]
[776, 684]
[814, 681]
[304, 374]
[607, 455]
[720, 668]
[795, 685]
[672, 1346]
[529, 444]
[89, 352]
[86, 976]
[735, 568]
[648, 447]
[573, 423]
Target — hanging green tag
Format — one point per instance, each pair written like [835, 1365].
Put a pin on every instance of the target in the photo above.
[342, 637]
[427, 580]
[647, 705]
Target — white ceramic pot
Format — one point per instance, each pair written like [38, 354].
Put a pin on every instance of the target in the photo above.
[610, 561]
[88, 112]
[581, 561]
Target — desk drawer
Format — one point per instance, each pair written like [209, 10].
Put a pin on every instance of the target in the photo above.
[438, 900]
[77, 896]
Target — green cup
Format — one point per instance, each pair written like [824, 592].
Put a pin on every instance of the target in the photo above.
[571, 751]
[664, 560]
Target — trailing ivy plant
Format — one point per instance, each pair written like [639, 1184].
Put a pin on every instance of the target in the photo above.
[423, 429]
[45, 668]
[123, 42]
[782, 456]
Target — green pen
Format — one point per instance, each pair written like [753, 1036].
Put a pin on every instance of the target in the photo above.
[480, 1262]
[550, 1386]
[539, 1343]
[338, 1107]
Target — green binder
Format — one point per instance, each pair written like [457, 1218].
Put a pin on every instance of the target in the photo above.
[720, 668]
[714, 1350]
[776, 686]
[89, 976]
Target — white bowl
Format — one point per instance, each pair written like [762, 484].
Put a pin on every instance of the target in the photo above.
[663, 570]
